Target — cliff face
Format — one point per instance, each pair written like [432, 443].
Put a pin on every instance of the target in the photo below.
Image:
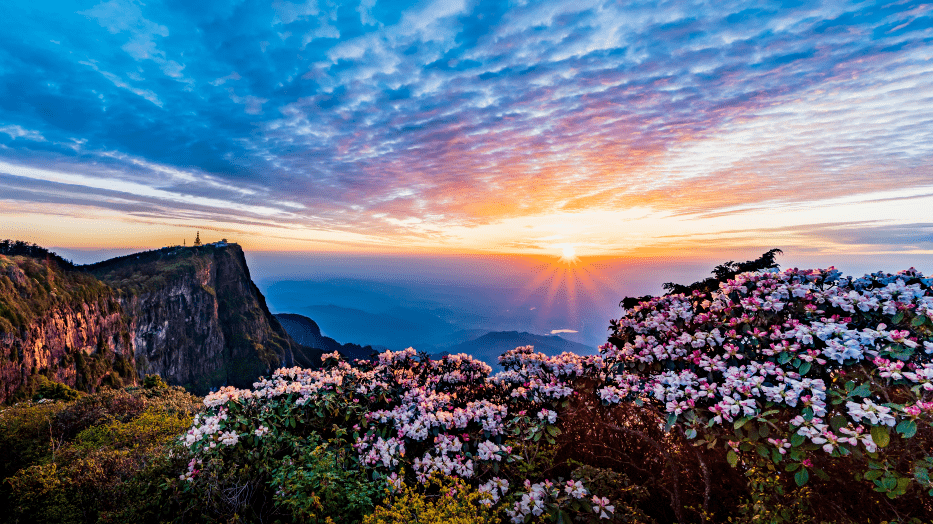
[65, 325]
[191, 315]
[196, 318]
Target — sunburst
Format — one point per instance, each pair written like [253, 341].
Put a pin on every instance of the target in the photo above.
[568, 254]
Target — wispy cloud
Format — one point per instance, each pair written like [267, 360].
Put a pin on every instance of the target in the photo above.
[459, 125]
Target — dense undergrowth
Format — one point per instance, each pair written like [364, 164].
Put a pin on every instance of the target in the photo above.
[69, 457]
[794, 396]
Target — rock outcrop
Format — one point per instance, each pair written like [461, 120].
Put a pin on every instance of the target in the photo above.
[307, 333]
[191, 315]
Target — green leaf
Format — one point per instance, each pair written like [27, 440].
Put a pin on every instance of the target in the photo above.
[691, 433]
[793, 466]
[732, 458]
[918, 321]
[553, 430]
[880, 435]
[801, 477]
[923, 476]
[889, 483]
[902, 484]
[873, 474]
[762, 450]
[764, 430]
[838, 421]
[898, 318]
[740, 422]
[863, 390]
[783, 358]
[908, 428]
[796, 440]
[804, 368]
[808, 413]
[776, 456]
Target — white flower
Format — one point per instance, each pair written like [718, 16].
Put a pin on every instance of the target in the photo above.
[548, 415]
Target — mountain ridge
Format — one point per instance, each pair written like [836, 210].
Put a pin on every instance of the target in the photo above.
[190, 314]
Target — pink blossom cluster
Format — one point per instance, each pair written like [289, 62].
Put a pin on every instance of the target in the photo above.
[772, 339]
[539, 496]
[376, 451]
[206, 429]
[495, 488]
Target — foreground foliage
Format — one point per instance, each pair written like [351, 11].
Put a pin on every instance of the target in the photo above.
[794, 396]
[775, 389]
[97, 458]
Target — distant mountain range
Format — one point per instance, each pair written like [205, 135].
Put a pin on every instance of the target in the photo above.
[425, 315]
[489, 346]
[483, 345]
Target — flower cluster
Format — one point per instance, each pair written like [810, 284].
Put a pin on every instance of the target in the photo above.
[779, 340]
[538, 497]
[804, 356]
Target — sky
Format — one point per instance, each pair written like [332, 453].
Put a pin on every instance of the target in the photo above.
[613, 129]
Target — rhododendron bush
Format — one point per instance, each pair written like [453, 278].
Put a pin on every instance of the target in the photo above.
[807, 389]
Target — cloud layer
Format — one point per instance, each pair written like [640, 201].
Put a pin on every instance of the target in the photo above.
[465, 124]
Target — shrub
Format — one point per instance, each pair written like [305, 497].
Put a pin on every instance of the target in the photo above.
[103, 457]
[92, 472]
[28, 436]
[324, 482]
[154, 382]
[50, 390]
[824, 376]
[444, 500]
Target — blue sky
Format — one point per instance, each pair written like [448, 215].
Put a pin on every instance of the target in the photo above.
[457, 126]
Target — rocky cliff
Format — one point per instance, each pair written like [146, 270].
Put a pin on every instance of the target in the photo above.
[65, 325]
[191, 315]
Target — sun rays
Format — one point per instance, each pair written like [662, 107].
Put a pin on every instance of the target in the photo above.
[568, 254]
[566, 290]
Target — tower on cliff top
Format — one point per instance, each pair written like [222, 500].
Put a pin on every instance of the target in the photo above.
[197, 239]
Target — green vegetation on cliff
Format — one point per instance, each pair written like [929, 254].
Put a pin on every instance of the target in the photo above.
[30, 288]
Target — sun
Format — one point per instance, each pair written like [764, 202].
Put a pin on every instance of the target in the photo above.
[569, 254]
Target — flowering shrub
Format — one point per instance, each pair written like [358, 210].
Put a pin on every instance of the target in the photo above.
[400, 413]
[807, 369]
[801, 372]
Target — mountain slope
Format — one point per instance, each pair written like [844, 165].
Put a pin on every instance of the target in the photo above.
[396, 328]
[306, 332]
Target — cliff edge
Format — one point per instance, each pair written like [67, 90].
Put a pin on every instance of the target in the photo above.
[192, 315]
